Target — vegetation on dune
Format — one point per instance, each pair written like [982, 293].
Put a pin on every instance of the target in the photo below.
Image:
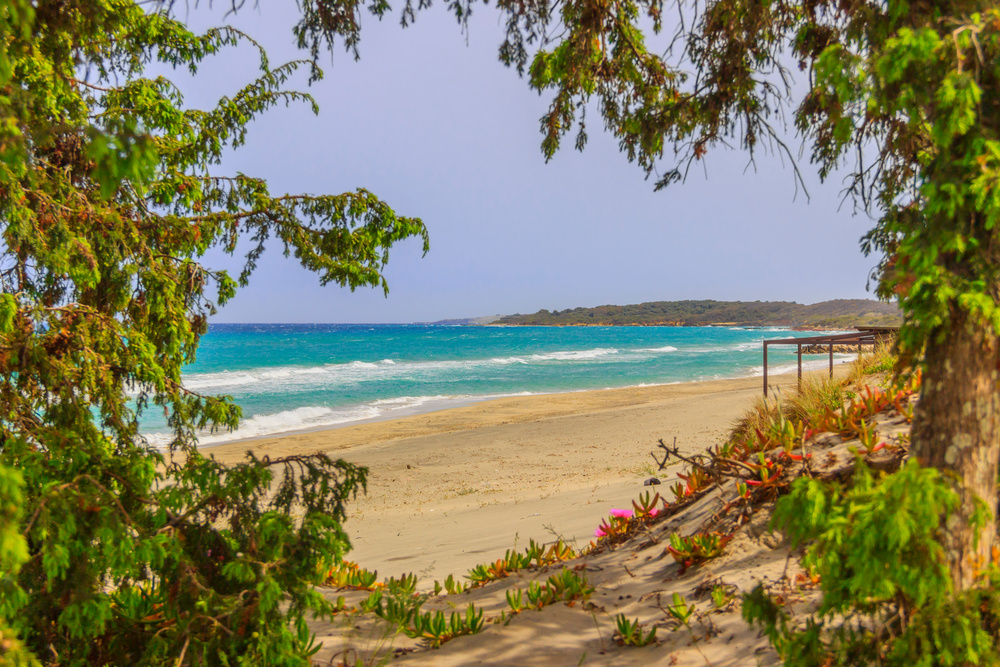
[816, 396]
[837, 314]
[872, 541]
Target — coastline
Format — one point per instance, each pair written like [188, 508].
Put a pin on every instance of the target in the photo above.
[790, 326]
[443, 404]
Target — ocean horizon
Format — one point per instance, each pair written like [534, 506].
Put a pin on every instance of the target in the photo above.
[294, 377]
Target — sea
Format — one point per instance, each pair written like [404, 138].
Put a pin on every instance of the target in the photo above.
[292, 377]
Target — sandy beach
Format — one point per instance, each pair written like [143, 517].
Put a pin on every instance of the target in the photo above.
[451, 489]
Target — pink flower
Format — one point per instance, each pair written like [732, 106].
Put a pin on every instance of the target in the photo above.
[622, 514]
[599, 533]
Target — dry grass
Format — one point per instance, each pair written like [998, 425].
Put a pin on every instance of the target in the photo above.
[880, 360]
[757, 417]
[814, 398]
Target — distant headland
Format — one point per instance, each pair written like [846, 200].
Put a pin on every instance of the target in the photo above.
[835, 314]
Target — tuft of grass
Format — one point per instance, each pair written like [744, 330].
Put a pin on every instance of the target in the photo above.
[643, 470]
[879, 360]
[757, 417]
[814, 398]
[630, 633]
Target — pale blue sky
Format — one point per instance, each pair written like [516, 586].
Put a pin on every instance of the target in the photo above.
[434, 125]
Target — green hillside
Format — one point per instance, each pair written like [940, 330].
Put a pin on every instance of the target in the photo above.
[836, 314]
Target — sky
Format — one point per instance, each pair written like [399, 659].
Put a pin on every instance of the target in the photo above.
[433, 124]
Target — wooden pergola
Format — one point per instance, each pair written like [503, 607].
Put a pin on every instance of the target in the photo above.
[864, 336]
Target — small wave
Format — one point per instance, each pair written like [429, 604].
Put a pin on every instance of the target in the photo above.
[575, 355]
[504, 361]
[333, 375]
[411, 401]
[288, 420]
[759, 328]
[708, 349]
[812, 365]
[315, 417]
[645, 385]
[216, 381]
[665, 348]
[320, 417]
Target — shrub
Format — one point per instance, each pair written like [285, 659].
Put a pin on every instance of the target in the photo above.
[887, 593]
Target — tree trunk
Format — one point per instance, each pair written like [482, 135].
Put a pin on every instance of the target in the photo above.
[956, 429]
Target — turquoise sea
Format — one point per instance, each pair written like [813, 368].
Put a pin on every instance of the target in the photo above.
[306, 376]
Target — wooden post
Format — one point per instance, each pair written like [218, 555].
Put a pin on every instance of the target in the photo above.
[765, 369]
[831, 359]
[800, 364]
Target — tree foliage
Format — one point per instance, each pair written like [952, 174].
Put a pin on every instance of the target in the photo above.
[887, 593]
[110, 194]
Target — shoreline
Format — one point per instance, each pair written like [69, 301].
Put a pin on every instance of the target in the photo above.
[492, 412]
[445, 404]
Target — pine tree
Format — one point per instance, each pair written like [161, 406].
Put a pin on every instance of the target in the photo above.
[111, 192]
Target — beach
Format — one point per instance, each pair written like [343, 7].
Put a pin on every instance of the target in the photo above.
[453, 489]
[448, 490]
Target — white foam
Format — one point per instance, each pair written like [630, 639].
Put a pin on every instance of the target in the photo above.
[665, 348]
[308, 417]
[811, 365]
[320, 417]
[504, 361]
[215, 381]
[575, 355]
[289, 420]
[410, 401]
[746, 346]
